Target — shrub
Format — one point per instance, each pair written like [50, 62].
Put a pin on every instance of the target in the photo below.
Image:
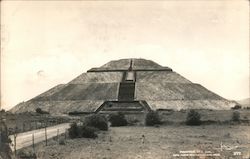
[193, 118]
[236, 116]
[152, 118]
[26, 154]
[133, 122]
[236, 107]
[76, 131]
[247, 107]
[118, 119]
[61, 142]
[87, 132]
[5, 150]
[40, 111]
[2, 111]
[97, 121]
[73, 131]
[4, 138]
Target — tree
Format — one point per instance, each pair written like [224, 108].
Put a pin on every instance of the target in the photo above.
[78, 131]
[40, 111]
[152, 118]
[236, 116]
[96, 120]
[237, 107]
[87, 132]
[5, 151]
[118, 119]
[2, 111]
[193, 118]
[73, 131]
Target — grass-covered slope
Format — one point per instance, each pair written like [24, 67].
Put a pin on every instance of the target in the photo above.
[145, 64]
[98, 77]
[85, 97]
[160, 76]
[59, 107]
[124, 64]
[160, 91]
[192, 104]
[117, 64]
[86, 91]
[50, 92]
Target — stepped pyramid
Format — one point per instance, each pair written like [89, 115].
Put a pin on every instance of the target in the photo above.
[130, 85]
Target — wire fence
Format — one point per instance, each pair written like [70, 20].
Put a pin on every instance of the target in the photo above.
[31, 138]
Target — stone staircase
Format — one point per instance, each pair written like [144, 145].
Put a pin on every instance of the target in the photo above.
[126, 102]
[126, 91]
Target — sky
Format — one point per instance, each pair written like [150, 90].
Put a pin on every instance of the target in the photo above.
[45, 43]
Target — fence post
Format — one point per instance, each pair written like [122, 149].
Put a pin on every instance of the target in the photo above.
[15, 135]
[23, 126]
[46, 135]
[1, 136]
[33, 142]
[58, 136]
[65, 135]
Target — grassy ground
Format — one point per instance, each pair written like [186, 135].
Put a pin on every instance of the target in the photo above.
[162, 142]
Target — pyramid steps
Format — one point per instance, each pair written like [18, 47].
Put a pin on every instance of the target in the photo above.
[126, 91]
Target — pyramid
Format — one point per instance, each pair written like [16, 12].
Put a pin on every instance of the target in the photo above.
[129, 85]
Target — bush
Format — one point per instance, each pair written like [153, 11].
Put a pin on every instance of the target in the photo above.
[118, 119]
[76, 131]
[5, 150]
[152, 118]
[61, 142]
[97, 121]
[2, 111]
[133, 122]
[236, 107]
[40, 111]
[4, 138]
[236, 116]
[26, 154]
[87, 132]
[73, 131]
[193, 118]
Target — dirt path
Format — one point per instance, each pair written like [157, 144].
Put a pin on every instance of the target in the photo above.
[25, 139]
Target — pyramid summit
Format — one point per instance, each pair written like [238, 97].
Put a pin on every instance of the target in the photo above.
[126, 64]
[129, 85]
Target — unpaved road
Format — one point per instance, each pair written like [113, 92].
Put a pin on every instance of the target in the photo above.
[25, 139]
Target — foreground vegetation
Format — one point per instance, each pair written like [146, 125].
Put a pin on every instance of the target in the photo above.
[96, 127]
[5, 151]
[88, 127]
[151, 142]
